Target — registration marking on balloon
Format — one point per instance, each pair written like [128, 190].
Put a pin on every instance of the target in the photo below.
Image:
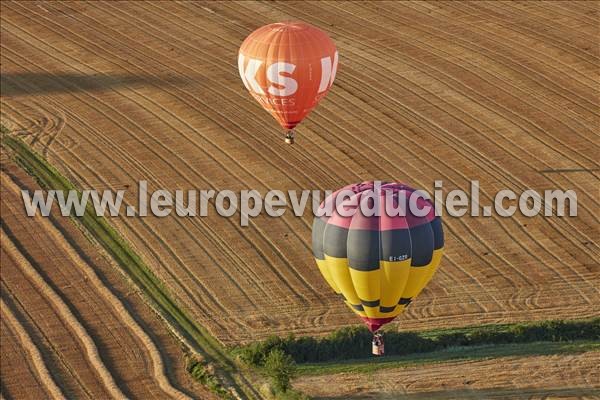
[288, 68]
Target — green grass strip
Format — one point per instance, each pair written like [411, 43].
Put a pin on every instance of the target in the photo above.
[354, 342]
[50, 178]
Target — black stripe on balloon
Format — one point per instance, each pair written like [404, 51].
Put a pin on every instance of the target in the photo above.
[335, 241]
[357, 307]
[395, 245]
[438, 233]
[421, 238]
[404, 301]
[363, 249]
[318, 229]
[386, 309]
[370, 303]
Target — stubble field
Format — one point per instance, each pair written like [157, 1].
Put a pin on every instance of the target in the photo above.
[505, 93]
[71, 326]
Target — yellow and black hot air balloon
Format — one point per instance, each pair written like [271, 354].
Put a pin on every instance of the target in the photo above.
[378, 263]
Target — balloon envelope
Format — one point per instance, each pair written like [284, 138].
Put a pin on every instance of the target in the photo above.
[377, 263]
[288, 67]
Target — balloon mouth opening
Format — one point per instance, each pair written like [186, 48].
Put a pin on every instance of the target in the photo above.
[373, 324]
[289, 125]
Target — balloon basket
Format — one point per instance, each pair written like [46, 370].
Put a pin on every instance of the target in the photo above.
[378, 347]
[378, 350]
[289, 137]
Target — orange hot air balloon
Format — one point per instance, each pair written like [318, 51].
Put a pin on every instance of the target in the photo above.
[288, 67]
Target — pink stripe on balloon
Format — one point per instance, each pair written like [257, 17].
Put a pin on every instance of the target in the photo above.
[395, 194]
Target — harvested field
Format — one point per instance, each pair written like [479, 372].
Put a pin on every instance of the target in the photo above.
[506, 93]
[535, 377]
[71, 326]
